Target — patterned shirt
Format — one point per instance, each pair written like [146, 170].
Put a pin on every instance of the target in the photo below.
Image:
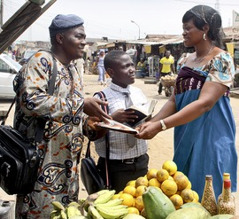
[58, 177]
[119, 147]
[219, 69]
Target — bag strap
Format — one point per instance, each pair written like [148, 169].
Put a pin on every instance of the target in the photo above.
[41, 123]
[51, 85]
[106, 109]
[5, 117]
[107, 142]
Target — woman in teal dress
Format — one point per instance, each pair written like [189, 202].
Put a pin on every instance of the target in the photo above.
[199, 109]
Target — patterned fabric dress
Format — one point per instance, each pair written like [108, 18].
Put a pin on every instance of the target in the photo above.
[207, 144]
[60, 150]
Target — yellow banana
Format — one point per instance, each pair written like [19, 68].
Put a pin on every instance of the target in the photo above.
[92, 211]
[113, 202]
[105, 197]
[109, 213]
[57, 205]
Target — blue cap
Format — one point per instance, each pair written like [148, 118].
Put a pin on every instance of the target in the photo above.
[64, 22]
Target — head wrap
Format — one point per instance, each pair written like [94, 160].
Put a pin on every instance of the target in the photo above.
[62, 23]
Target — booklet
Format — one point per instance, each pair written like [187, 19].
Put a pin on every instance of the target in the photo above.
[144, 113]
[117, 126]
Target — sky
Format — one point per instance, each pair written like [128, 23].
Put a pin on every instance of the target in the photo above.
[112, 18]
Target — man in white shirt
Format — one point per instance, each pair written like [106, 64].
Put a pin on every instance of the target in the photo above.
[128, 156]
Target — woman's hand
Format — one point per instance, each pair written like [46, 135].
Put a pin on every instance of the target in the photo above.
[92, 107]
[124, 116]
[148, 130]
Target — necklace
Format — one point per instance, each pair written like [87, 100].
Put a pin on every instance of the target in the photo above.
[199, 60]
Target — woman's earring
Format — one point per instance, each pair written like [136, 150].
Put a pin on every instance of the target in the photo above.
[204, 36]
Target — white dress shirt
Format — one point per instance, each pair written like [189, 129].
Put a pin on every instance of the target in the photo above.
[119, 147]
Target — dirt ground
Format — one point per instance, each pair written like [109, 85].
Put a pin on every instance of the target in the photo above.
[161, 146]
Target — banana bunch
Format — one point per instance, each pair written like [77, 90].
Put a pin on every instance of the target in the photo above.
[104, 207]
[70, 212]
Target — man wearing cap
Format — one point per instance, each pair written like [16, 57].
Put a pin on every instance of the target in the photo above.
[60, 149]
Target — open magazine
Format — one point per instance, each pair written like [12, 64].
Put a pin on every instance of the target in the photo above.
[117, 126]
[144, 113]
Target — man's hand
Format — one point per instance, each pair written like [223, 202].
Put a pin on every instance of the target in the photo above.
[124, 116]
[92, 123]
[92, 107]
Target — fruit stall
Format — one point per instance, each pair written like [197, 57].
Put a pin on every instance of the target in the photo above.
[164, 193]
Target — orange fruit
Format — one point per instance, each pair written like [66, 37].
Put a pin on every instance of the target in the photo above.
[196, 196]
[139, 204]
[189, 186]
[131, 183]
[187, 195]
[116, 196]
[130, 190]
[182, 181]
[170, 178]
[154, 182]
[170, 166]
[177, 200]
[140, 190]
[162, 175]
[152, 173]
[128, 200]
[169, 187]
[141, 181]
[178, 173]
[133, 210]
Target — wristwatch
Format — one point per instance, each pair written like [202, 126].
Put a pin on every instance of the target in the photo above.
[164, 127]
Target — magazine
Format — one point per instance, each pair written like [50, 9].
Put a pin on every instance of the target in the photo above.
[144, 113]
[116, 126]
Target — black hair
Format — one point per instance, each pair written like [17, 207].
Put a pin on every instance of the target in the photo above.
[112, 57]
[203, 14]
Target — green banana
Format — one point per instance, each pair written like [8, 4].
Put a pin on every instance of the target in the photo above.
[57, 216]
[63, 215]
[54, 214]
[105, 197]
[57, 205]
[102, 191]
[113, 202]
[111, 213]
[78, 217]
[94, 213]
[72, 211]
[75, 204]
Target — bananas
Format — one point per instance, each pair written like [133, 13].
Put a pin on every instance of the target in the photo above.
[112, 212]
[105, 208]
[105, 197]
[99, 205]
[57, 205]
[110, 203]
[93, 213]
[70, 212]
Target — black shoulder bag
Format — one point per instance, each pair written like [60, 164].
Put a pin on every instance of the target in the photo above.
[90, 175]
[19, 158]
